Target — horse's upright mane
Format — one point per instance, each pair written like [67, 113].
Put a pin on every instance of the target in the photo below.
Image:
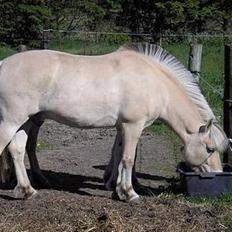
[187, 80]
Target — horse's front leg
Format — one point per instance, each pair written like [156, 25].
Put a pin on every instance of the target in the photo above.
[111, 171]
[17, 149]
[131, 133]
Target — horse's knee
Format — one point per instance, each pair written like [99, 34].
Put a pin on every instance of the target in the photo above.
[17, 145]
[127, 162]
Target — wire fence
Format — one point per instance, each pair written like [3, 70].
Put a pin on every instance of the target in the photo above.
[95, 43]
[63, 38]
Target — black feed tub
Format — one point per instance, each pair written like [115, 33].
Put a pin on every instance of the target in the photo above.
[210, 184]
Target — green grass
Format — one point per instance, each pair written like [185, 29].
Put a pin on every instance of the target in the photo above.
[212, 68]
[41, 146]
[222, 203]
[212, 65]
[83, 47]
[212, 71]
[6, 51]
[179, 50]
[212, 62]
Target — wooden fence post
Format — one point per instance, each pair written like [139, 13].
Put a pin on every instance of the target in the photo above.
[45, 39]
[227, 123]
[22, 48]
[195, 60]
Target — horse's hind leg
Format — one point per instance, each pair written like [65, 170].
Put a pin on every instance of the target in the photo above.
[7, 132]
[17, 149]
[37, 174]
[7, 175]
[131, 133]
[111, 172]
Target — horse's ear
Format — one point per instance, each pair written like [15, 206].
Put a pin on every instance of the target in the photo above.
[206, 128]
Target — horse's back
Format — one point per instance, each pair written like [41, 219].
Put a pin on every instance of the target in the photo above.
[91, 91]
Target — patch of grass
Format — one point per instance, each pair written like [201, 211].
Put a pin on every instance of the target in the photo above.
[227, 219]
[212, 61]
[179, 50]
[83, 47]
[220, 208]
[212, 70]
[158, 128]
[6, 51]
[213, 73]
[223, 201]
[222, 204]
[41, 146]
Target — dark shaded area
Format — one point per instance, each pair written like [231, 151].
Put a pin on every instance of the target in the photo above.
[73, 183]
[76, 183]
[78, 201]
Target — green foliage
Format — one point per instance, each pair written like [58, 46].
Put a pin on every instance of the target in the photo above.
[41, 146]
[22, 21]
[115, 39]
[158, 17]
[212, 71]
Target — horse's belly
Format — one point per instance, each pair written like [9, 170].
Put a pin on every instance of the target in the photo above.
[83, 117]
[105, 121]
[86, 122]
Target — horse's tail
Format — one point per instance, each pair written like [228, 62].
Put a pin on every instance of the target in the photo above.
[6, 167]
[1, 62]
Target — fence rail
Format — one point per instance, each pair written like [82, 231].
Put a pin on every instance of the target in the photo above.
[219, 35]
[100, 42]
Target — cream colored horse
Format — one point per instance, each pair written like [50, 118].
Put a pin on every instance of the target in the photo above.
[128, 89]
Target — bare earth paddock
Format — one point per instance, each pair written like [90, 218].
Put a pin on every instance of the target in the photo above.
[73, 160]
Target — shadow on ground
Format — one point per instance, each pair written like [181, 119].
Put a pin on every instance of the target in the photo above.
[80, 184]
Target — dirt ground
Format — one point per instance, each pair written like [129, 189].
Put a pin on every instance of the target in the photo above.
[73, 161]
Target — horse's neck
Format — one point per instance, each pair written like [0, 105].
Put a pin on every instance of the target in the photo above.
[183, 117]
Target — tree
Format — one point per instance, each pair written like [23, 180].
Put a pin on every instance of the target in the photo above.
[71, 15]
[223, 15]
[148, 16]
[7, 24]
[165, 16]
[24, 21]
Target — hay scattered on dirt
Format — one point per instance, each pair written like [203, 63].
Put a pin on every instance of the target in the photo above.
[78, 202]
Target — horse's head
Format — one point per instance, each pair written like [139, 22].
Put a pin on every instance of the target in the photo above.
[200, 151]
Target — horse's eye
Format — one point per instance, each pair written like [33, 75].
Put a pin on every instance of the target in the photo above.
[210, 149]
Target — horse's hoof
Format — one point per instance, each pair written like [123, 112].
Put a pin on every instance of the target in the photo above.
[135, 199]
[30, 195]
[121, 194]
[18, 192]
[24, 192]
